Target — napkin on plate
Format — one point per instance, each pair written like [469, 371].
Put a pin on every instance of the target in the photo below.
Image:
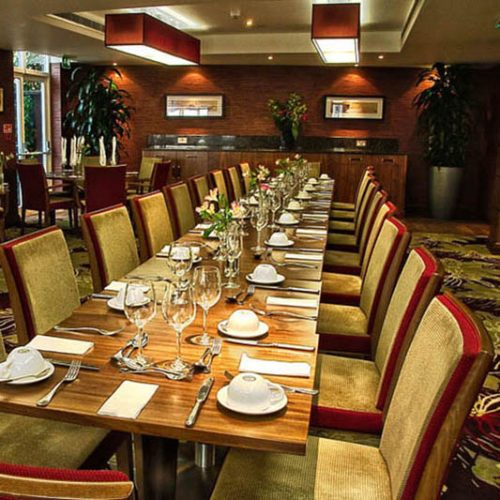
[118, 286]
[266, 367]
[63, 346]
[128, 400]
[321, 232]
[288, 302]
[304, 256]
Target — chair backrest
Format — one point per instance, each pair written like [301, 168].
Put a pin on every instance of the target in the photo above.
[245, 173]
[363, 209]
[3, 352]
[24, 481]
[91, 161]
[234, 178]
[313, 169]
[417, 284]
[384, 212]
[41, 280]
[146, 167]
[199, 188]
[159, 177]
[153, 223]
[385, 263]
[362, 185]
[378, 199]
[444, 368]
[29, 161]
[181, 207]
[219, 182]
[33, 186]
[110, 241]
[104, 187]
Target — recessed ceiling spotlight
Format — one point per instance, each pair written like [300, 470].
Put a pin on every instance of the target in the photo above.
[381, 56]
[249, 22]
[270, 58]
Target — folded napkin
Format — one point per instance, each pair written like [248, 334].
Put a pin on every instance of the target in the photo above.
[128, 400]
[63, 346]
[203, 226]
[316, 216]
[118, 286]
[288, 302]
[304, 256]
[321, 232]
[287, 368]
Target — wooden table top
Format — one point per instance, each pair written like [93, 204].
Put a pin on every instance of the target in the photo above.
[166, 412]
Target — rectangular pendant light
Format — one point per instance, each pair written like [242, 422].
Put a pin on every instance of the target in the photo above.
[144, 36]
[335, 32]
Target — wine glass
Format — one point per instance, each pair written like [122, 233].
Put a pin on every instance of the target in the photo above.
[206, 286]
[180, 261]
[234, 244]
[261, 220]
[140, 307]
[274, 205]
[179, 310]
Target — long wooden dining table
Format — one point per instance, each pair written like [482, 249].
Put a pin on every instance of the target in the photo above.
[161, 424]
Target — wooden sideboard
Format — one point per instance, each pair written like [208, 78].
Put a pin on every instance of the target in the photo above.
[345, 168]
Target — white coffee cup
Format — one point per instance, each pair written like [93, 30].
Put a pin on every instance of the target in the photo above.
[309, 187]
[23, 361]
[312, 180]
[324, 177]
[279, 238]
[265, 273]
[302, 194]
[287, 218]
[294, 205]
[243, 321]
[252, 391]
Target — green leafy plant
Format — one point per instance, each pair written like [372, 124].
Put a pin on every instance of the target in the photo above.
[445, 118]
[289, 114]
[100, 107]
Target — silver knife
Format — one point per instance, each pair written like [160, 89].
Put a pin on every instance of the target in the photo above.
[200, 399]
[288, 288]
[308, 250]
[281, 345]
[59, 362]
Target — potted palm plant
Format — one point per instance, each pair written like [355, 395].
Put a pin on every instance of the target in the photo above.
[445, 123]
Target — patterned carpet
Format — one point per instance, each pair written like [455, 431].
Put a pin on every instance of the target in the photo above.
[473, 274]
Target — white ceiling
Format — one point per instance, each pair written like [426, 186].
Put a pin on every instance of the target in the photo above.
[406, 32]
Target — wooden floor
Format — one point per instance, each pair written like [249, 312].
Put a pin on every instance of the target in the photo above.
[465, 228]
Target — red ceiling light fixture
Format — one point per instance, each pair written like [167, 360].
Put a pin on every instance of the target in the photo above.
[335, 32]
[145, 36]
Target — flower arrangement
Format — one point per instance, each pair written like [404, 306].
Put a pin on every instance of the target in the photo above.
[289, 115]
[259, 176]
[217, 211]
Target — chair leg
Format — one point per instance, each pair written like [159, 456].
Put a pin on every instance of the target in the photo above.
[39, 219]
[23, 219]
[125, 457]
[70, 217]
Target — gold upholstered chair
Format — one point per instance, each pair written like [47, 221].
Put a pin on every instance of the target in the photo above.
[43, 482]
[219, 182]
[245, 174]
[110, 241]
[180, 204]
[345, 271]
[347, 328]
[146, 168]
[41, 281]
[441, 376]
[235, 182]
[353, 392]
[153, 223]
[199, 188]
[313, 169]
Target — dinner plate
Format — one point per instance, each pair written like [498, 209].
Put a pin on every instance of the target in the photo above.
[248, 410]
[34, 380]
[279, 279]
[113, 304]
[262, 330]
[289, 243]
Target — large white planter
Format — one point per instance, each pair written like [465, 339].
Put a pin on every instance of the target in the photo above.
[444, 190]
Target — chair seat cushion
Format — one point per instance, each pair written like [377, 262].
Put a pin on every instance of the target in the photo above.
[342, 240]
[341, 226]
[330, 470]
[60, 202]
[347, 394]
[342, 215]
[341, 261]
[47, 443]
[342, 205]
[339, 288]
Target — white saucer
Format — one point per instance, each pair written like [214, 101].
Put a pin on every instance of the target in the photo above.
[288, 209]
[34, 380]
[262, 330]
[287, 223]
[113, 304]
[289, 243]
[303, 197]
[279, 279]
[247, 410]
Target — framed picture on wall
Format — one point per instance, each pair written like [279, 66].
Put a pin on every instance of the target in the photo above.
[194, 106]
[1, 100]
[339, 107]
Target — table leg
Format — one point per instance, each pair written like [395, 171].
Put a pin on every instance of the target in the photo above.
[204, 455]
[156, 467]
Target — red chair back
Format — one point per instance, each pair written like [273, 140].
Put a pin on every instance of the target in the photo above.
[33, 186]
[159, 177]
[104, 187]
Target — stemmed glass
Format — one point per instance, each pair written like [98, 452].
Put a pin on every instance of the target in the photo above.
[234, 244]
[180, 261]
[140, 307]
[260, 217]
[179, 310]
[274, 205]
[206, 286]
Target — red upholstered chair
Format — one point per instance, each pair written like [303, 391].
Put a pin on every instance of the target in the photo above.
[181, 207]
[21, 481]
[159, 177]
[354, 392]
[199, 187]
[356, 328]
[37, 195]
[104, 187]
[441, 376]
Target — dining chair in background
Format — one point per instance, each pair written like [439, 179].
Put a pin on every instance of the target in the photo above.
[354, 392]
[38, 196]
[153, 223]
[104, 187]
[146, 168]
[313, 169]
[199, 188]
[219, 181]
[235, 183]
[159, 176]
[91, 161]
[245, 175]
[440, 378]
[181, 207]
[110, 241]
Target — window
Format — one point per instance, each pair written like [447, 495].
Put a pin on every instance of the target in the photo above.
[31, 97]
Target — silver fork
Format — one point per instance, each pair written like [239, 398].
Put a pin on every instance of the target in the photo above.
[71, 376]
[216, 349]
[250, 291]
[91, 329]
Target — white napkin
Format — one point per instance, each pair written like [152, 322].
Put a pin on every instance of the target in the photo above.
[321, 232]
[63, 346]
[128, 400]
[118, 286]
[287, 368]
[288, 302]
[203, 226]
[304, 256]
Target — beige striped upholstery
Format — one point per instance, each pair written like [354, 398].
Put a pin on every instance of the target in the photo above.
[146, 167]
[235, 182]
[181, 207]
[200, 188]
[341, 225]
[245, 172]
